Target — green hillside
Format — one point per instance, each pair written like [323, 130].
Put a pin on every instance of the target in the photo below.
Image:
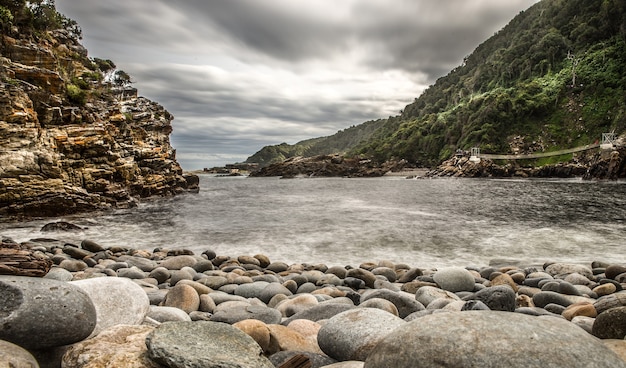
[554, 77]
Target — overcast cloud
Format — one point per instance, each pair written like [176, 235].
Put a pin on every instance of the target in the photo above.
[241, 74]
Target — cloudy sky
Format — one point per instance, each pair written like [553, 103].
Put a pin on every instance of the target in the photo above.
[242, 74]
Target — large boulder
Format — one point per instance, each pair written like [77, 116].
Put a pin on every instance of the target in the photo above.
[203, 344]
[118, 301]
[491, 339]
[38, 313]
[351, 335]
[120, 346]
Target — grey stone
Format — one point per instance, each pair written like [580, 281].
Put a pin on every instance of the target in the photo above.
[118, 301]
[610, 324]
[610, 301]
[178, 262]
[234, 315]
[133, 272]
[543, 298]
[319, 312]
[490, 339]
[202, 344]
[497, 298]
[271, 290]
[454, 279]
[251, 290]
[146, 265]
[168, 314]
[566, 268]
[426, 294]
[351, 335]
[405, 302]
[38, 313]
[59, 274]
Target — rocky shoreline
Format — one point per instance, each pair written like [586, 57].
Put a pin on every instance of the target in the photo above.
[122, 307]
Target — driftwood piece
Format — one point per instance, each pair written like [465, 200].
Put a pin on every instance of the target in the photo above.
[297, 361]
[19, 260]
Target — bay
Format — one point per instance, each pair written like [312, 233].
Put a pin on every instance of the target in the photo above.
[337, 221]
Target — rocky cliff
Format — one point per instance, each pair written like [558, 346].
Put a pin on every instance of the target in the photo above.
[69, 140]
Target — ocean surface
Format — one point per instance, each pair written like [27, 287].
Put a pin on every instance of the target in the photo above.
[423, 223]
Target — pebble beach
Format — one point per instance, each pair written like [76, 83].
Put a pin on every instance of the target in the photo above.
[120, 307]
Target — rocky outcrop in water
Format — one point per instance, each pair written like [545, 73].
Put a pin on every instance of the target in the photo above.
[601, 165]
[327, 166]
[69, 140]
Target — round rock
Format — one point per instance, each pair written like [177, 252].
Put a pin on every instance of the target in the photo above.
[490, 339]
[454, 279]
[610, 324]
[118, 301]
[183, 297]
[497, 298]
[204, 344]
[38, 313]
[405, 303]
[234, 315]
[351, 335]
[14, 356]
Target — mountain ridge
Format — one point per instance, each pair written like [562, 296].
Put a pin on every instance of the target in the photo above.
[552, 78]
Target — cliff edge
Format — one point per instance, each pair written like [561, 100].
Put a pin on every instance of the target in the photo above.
[72, 138]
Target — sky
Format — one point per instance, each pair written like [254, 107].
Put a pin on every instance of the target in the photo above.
[241, 74]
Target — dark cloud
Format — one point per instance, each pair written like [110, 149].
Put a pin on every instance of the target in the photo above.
[241, 74]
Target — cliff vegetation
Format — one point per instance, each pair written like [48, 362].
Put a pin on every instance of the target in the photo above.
[553, 78]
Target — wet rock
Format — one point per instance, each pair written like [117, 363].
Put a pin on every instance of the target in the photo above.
[204, 344]
[118, 346]
[510, 340]
[353, 334]
[26, 302]
[117, 301]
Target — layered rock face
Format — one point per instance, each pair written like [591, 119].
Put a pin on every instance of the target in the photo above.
[66, 150]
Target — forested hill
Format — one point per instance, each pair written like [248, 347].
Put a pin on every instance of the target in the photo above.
[554, 77]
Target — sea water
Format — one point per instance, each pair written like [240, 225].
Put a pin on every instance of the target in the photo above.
[340, 221]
